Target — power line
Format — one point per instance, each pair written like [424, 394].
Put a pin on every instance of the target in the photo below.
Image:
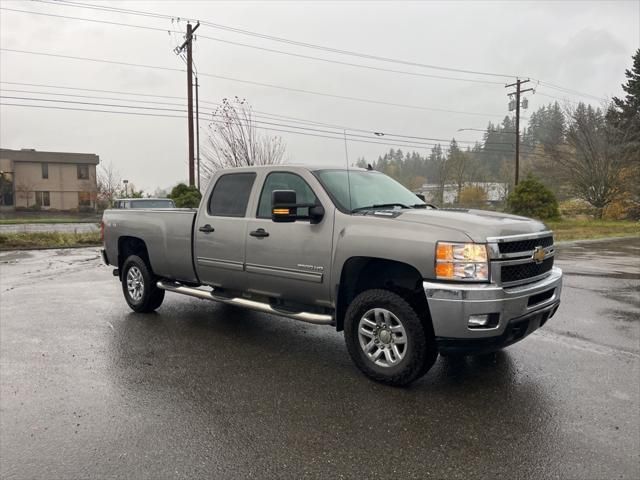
[267, 116]
[569, 90]
[256, 47]
[305, 44]
[261, 84]
[284, 40]
[330, 135]
[420, 147]
[259, 122]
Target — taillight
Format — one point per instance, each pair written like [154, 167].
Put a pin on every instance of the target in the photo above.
[102, 230]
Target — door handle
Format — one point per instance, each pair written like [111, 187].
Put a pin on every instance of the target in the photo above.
[260, 233]
[206, 228]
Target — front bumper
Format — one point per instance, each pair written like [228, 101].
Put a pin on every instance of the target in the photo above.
[519, 311]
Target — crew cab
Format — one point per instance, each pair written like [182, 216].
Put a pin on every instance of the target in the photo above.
[349, 248]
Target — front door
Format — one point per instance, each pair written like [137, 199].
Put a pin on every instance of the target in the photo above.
[290, 261]
[221, 231]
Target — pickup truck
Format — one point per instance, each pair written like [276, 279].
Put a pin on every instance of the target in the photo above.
[351, 248]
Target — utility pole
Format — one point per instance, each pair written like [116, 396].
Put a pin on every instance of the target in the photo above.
[516, 105]
[188, 44]
[197, 134]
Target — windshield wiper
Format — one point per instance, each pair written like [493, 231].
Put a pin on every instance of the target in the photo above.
[380, 205]
[424, 205]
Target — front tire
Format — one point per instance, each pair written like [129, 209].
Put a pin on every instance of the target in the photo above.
[139, 286]
[387, 339]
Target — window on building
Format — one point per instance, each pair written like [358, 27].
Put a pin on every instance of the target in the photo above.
[43, 199]
[83, 172]
[6, 189]
[230, 196]
[84, 199]
[45, 170]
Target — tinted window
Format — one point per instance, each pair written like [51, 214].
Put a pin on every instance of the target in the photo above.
[230, 196]
[285, 181]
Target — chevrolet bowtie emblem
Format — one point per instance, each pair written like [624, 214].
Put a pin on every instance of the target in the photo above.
[538, 254]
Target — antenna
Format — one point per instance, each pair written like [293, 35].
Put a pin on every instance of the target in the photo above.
[346, 156]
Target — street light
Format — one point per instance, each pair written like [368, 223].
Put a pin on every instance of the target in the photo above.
[126, 194]
[485, 130]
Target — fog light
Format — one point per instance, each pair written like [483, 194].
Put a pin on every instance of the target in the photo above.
[486, 320]
[476, 321]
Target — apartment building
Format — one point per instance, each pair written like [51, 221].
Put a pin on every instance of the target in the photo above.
[47, 180]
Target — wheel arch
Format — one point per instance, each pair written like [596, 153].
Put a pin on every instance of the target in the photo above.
[364, 273]
[127, 246]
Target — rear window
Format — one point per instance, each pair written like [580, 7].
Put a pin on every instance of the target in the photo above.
[151, 204]
[230, 195]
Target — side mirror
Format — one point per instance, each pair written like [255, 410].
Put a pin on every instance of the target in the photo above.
[421, 197]
[284, 208]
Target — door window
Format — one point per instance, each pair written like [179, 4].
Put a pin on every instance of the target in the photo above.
[230, 195]
[285, 181]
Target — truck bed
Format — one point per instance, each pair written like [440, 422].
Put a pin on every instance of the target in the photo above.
[167, 234]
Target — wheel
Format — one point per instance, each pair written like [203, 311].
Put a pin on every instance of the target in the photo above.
[387, 339]
[139, 286]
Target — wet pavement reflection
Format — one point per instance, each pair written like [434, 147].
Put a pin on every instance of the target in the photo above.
[202, 390]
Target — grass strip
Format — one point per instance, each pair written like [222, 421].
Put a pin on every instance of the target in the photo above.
[587, 229]
[21, 221]
[26, 240]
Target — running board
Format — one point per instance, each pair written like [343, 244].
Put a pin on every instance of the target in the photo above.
[316, 318]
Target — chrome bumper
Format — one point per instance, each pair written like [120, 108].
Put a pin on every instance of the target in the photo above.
[451, 305]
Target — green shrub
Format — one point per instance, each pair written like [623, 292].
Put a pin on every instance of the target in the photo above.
[532, 199]
[185, 197]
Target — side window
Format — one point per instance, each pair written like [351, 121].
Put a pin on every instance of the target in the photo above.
[285, 181]
[230, 195]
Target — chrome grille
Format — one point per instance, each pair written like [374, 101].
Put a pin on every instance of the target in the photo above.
[524, 271]
[525, 245]
[512, 258]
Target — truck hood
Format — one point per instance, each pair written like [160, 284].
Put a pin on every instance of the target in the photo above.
[476, 224]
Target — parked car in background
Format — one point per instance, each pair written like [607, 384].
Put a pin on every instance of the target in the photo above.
[144, 203]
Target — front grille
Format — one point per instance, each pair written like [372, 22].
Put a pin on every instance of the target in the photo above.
[525, 245]
[523, 271]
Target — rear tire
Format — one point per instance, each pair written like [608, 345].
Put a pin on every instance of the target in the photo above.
[387, 339]
[139, 286]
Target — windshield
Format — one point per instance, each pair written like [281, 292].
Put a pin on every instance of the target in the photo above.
[152, 204]
[367, 189]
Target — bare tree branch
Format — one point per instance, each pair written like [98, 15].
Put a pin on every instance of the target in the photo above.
[233, 140]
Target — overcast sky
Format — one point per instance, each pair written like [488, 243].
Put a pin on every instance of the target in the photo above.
[581, 45]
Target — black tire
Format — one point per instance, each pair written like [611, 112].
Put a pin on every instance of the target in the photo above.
[420, 353]
[151, 296]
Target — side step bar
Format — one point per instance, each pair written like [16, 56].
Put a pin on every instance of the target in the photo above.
[316, 318]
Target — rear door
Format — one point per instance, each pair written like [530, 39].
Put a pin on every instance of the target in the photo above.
[220, 232]
[290, 261]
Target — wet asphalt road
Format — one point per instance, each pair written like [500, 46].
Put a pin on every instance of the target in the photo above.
[200, 390]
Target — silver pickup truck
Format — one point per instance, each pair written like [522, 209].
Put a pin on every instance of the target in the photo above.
[349, 248]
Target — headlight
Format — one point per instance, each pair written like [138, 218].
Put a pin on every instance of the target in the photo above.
[462, 261]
